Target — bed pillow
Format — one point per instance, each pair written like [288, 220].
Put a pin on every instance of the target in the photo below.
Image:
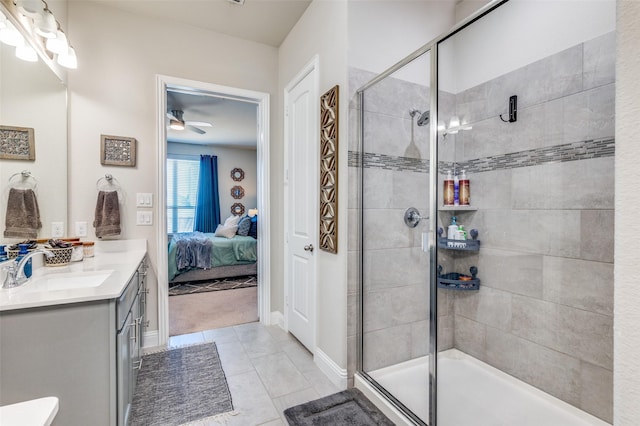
[226, 231]
[232, 221]
[244, 226]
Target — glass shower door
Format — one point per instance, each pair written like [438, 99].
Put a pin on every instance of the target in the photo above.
[395, 269]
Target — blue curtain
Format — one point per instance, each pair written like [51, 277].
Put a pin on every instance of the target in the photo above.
[208, 201]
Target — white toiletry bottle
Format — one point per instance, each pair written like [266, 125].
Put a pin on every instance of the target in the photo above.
[456, 189]
[453, 229]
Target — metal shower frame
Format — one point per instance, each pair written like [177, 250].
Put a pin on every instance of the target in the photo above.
[431, 47]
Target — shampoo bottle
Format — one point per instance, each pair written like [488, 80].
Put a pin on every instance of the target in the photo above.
[448, 190]
[465, 190]
[456, 189]
[452, 229]
[3, 253]
[28, 267]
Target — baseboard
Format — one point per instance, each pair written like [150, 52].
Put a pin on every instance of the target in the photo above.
[277, 319]
[151, 339]
[381, 402]
[332, 370]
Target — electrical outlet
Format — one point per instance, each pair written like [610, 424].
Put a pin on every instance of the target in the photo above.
[57, 229]
[81, 229]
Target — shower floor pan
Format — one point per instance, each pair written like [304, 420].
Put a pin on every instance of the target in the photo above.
[474, 393]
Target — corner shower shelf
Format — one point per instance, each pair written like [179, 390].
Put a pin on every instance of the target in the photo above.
[458, 208]
[452, 281]
[465, 245]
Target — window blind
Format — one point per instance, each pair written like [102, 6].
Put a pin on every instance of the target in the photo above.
[182, 189]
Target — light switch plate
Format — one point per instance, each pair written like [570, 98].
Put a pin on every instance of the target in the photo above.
[57, 229]
[81, 229]
[144, 199]
[144, 218]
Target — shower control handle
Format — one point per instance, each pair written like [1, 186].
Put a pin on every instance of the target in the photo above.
[308, 247]
[412, 217]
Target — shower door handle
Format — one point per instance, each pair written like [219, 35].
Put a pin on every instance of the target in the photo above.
[308, 247]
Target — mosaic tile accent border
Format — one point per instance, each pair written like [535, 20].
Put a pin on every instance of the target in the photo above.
[576, 151]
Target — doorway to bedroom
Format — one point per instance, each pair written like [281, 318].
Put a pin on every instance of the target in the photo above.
[211, 207]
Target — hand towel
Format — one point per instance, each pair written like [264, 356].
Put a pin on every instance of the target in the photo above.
[107, 219]
[23, 214]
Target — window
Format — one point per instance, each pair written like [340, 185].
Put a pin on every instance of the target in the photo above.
[182, 189]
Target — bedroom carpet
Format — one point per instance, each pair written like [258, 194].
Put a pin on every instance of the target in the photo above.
[213, 285]
[180, 385]
[190, 313]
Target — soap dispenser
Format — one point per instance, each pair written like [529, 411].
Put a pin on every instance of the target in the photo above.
[28, 267]
[453, 229]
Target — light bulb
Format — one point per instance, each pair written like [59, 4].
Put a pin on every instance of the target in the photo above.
[68, 59]
[9, 35]
[455, 122]
[46, 24]
[59, 44]
[176, 125]
[26, 53]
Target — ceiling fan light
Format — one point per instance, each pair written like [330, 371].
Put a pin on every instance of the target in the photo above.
[176, 125]
[58, 45]
[68, 59]
[46, 24]
[26, 53]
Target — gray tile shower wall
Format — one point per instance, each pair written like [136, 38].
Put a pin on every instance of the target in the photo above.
[544, 191]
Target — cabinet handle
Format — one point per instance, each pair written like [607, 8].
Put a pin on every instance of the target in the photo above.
[137, 365]
[135, 330]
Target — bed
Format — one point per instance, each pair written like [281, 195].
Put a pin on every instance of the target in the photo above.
[196, 256]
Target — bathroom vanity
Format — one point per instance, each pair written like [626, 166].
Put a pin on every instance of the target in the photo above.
[75, 332]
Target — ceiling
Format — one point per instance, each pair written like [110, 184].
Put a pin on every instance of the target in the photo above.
[263, 21]
[234, 123]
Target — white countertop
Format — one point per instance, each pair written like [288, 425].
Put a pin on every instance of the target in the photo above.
[118, 259]
[37, 412]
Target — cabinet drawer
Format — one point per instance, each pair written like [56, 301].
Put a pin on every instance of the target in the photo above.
[123, 306]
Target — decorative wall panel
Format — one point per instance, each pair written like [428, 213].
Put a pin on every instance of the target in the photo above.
[329, 170]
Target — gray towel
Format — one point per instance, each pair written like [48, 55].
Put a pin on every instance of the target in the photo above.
[23, 214]
[193, 250]
[107, 220]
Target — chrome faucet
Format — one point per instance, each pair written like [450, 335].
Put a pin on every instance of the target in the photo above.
[15, 271]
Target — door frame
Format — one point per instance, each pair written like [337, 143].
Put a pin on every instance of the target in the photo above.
[261, 99]
[313, 66]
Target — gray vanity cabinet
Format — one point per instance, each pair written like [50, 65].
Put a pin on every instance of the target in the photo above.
[83, 353]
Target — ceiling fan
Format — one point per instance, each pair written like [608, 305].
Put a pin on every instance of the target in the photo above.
[176, 122]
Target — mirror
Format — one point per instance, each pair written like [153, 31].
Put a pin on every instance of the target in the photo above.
[33, 97]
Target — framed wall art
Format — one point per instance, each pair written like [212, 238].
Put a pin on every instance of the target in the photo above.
[237, 209]
[329, 171]
[237, 174]
[17, 143]
[237, 192]
[117, 151]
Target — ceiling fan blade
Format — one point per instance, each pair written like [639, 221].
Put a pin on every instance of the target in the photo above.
[198, 123]
[195, 129]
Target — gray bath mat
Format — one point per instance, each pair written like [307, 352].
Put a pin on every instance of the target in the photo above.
[180, 385]
[348, 407]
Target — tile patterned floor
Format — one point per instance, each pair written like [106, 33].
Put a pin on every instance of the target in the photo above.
[267, 370]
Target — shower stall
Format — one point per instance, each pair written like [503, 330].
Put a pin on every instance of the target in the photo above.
[508, 318]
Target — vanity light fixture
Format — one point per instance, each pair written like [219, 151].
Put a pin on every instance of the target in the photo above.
[26, 52]
[8, 33]
[59, 44]
[30, 7]
[68, 59]
[45, 24]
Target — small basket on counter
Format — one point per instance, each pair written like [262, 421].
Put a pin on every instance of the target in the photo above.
[61, 256]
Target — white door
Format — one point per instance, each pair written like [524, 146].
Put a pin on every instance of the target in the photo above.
[302, 146]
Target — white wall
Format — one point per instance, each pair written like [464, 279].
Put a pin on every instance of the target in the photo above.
[626, 368]
[529, 30]
[382, 33]
[228, 159]
[322, 30]
[113, 91]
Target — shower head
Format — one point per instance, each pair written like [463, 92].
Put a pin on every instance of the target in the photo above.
[423, 120]
[423, 117]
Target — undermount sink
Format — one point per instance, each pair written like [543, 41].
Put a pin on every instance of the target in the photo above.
[68, 281]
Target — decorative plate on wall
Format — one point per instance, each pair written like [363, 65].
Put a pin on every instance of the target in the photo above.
[237, 192]
[237, 174]
[237, 209]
